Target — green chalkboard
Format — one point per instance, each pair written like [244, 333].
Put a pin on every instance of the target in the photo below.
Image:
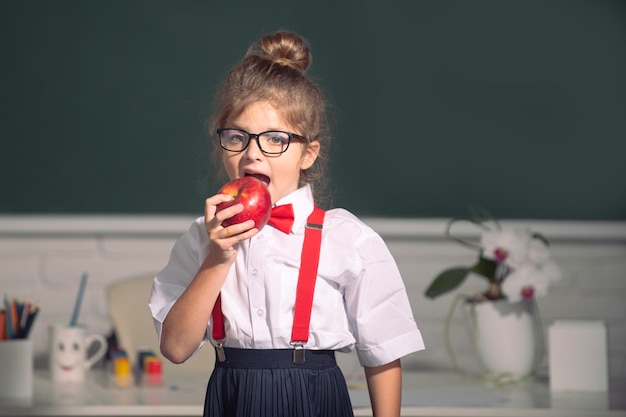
[515, 106]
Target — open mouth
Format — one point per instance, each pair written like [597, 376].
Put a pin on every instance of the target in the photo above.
[263, 178]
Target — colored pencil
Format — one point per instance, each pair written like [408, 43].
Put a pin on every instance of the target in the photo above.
[9, 321]
[3, 324]
[32, 314]
[17, 319]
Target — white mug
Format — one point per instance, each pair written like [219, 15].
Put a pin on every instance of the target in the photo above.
[68, 350]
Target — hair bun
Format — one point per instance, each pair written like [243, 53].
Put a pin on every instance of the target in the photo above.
[283, 48]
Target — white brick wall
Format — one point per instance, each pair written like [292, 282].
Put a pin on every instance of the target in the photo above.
[43, 258]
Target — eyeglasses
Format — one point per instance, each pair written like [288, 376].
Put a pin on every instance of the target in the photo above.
[272, 142]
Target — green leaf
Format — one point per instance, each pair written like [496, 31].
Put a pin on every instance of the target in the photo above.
[446, 281]
[486, 268]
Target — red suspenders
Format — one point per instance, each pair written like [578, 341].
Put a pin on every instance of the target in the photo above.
[304, 291]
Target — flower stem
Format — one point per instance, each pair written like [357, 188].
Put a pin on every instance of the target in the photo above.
[494, 291]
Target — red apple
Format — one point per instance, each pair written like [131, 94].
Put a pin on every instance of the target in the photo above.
[255, 197]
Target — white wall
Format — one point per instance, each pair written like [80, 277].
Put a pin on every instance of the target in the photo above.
[43, 258]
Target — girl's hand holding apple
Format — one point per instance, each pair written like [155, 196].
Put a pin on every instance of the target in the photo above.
[253, 194]
[240, 209]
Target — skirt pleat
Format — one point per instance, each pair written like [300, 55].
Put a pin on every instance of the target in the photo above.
[277, 392]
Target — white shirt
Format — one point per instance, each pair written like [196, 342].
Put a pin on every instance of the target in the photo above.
[360, 300]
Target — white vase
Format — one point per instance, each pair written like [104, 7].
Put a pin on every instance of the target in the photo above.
[504, 335]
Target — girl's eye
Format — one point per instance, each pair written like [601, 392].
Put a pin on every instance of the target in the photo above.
[276, 138]
[236, 139]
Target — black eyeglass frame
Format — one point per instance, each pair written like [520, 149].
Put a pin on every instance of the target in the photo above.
[256, 136]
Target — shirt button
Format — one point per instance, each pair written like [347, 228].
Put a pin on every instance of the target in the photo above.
[254, 272]
[259, 313]
[260, 237]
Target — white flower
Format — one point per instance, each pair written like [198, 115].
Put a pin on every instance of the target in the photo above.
[515, 262]
[515, 243]
[531, 269]
[537, 278]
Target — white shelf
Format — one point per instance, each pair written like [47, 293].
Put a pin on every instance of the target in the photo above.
[424, 394]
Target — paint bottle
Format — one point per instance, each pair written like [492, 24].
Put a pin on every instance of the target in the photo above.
[122, 375]
[153, 374]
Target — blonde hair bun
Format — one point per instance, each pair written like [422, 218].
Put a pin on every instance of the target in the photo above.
[283, 48]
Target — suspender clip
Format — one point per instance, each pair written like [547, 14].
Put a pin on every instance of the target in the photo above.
[219, 348]
[298, 353]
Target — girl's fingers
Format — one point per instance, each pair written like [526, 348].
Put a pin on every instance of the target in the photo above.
[223, 241]
[236, 230]
[211, 203]
[229, 212]
[212, 219]
[225, 238]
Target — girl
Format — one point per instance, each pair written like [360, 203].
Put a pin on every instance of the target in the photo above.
[245, 290]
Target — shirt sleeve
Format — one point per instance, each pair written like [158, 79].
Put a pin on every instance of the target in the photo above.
[184, 262]
[378, 305]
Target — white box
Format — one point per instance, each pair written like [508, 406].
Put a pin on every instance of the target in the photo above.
[578, 356]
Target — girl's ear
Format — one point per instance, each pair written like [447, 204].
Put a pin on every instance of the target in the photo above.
[310, 154]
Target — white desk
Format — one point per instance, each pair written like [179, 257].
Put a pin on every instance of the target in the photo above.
[425, 394]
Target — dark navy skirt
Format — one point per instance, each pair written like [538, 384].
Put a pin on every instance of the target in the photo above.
[266, 383]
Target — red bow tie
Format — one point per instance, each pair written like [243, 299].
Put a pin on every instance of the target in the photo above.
[282, 218]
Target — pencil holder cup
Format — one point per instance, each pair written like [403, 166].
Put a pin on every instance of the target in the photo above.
[68, 350]
[16, 369]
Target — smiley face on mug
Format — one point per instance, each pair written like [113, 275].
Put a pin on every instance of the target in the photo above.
[69, 354]
[73, 352]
